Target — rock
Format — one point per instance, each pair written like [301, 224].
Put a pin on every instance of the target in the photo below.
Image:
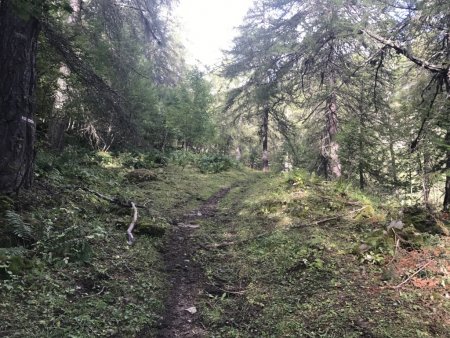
[364, 248]
[395, 225]
[192, 310]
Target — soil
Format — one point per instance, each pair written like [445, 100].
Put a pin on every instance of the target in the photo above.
[182, 317]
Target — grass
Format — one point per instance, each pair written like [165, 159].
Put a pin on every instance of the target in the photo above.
[81, 278]
[309, 281]
[310, 258]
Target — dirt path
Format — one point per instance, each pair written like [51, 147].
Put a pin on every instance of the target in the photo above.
[186, 277]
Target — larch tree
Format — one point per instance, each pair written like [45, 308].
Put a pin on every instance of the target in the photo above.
[20, 25]
[420, 32]
[19, 30]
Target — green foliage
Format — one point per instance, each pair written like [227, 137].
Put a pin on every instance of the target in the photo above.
[148, 160]
[18, 227]
[214, 163]
[183, 158]
[80, 274]
[67, 244]
[278, 280]
[206, 163]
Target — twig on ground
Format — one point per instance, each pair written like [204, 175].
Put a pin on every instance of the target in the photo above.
[411, 276]
[131, 238]
[397, 239]
[114, 200]
[95, 294]
[320, 221]
[268, 233]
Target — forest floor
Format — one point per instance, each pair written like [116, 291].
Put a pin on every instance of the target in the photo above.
[233, 254]
[286, 256]
[185, 275]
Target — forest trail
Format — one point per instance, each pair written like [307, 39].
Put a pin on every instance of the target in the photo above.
[185, 275]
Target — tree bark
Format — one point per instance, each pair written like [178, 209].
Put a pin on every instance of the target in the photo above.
[59, 119]
[361, 128]
[446, 205]
[18, 49]
[426, 184]
[330, 147]
[238, 153]
[265, 138]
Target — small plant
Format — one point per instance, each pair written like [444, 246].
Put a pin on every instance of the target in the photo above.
[214, 163]
[183, 158]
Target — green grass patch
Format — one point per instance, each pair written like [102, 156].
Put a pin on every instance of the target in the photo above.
[302, 279]
[66, 269]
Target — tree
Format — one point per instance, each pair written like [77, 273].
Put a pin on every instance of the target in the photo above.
[19, 30]
[430, 52]
[303, 54]
[98, 88]
[188, 111]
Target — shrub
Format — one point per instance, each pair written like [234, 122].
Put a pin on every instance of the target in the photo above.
[214, 163]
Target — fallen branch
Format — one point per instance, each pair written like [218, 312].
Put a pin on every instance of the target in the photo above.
[397, 239]
[114, 200]
[268, 233]
[131, 238]
[415, 273]
[122, 203]
[325, 220]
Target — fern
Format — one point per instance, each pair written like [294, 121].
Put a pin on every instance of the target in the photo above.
[18, 227]
[14, 251]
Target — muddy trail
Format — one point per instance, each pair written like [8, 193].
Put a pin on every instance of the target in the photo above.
[186, 278]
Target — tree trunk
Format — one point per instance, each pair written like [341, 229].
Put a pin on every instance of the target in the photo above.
[18, 48]
[330, 147]
[426, 184]
[265, 137]
[59, 119]
[238, 153]
[392, 150]
[447, 173]
[362, 183]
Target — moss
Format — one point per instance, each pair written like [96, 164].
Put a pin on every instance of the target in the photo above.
[424, 221]
[367, 212]
[13, 265]
[6, 203]
[155, 227]
[141, 175]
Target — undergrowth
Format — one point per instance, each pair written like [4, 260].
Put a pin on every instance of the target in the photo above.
[66, 269]
[302, 257]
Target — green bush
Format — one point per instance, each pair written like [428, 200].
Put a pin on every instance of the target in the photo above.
[183, 158]
[148, 160]
[214, 163]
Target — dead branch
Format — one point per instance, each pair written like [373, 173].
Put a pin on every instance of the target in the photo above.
[402, 50]
[131, 238]
[397, 239]
[268, 233]
[411, 276]
[325, 220]
[114, 200]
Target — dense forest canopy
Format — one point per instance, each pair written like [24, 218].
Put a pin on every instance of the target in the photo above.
[353, 89]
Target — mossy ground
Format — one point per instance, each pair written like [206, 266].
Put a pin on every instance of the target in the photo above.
[310, 258]
[309, 281]
[83, 279]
